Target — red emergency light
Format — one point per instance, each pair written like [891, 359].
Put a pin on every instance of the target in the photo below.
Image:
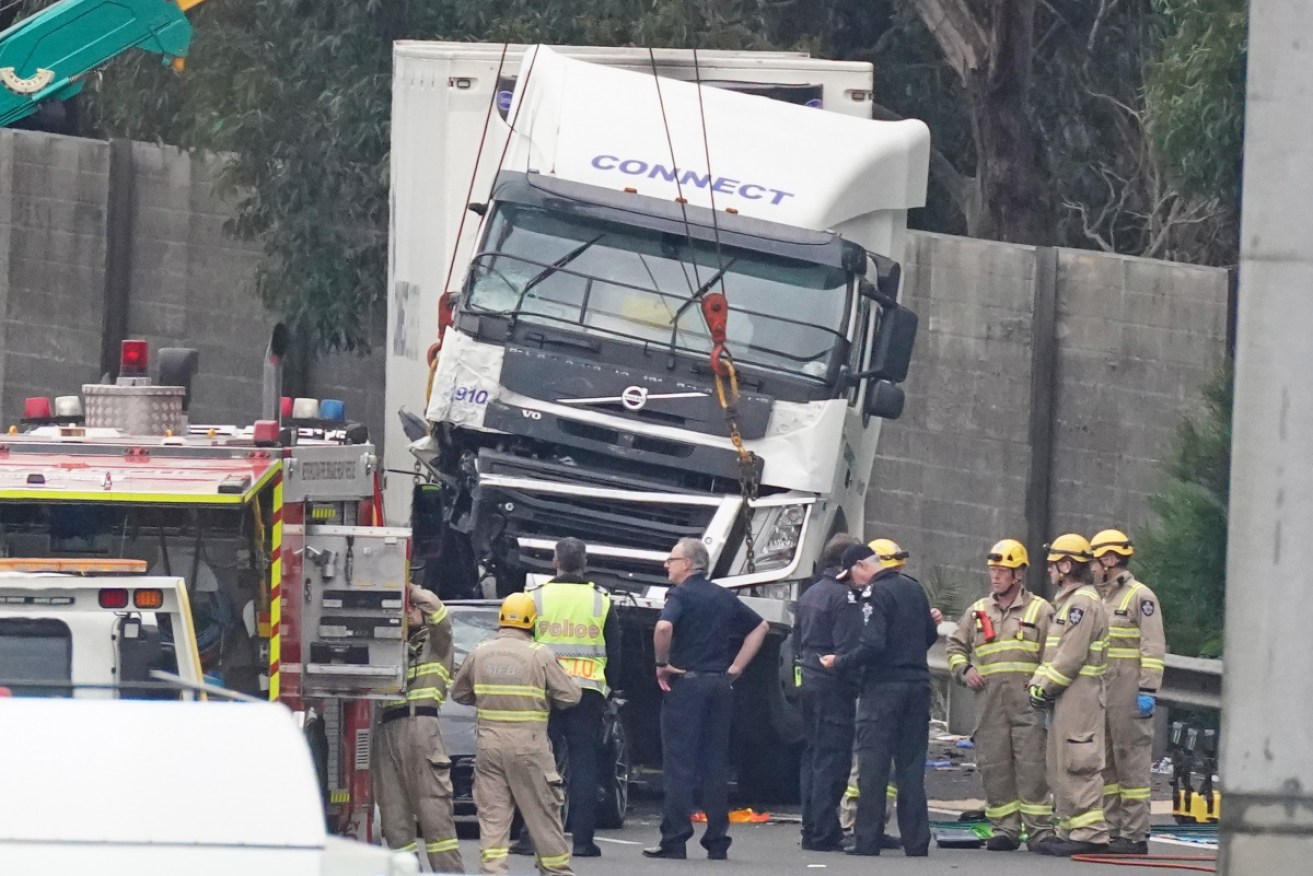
[134, 357]
[36, 408]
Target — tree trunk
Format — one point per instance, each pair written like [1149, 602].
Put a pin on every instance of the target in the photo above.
[1010, 173]
[992, 53]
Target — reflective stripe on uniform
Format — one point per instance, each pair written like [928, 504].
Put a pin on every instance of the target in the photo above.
[1112, 790]
[851, 791]
[1000, 668]
[1094, 671]
[408, 847]
[494, 854]
[1007, 645]
[512, 716]
[1055, 676]
[891, 790]
[1083, 820]
[1032, 610]
[425, 693]
[956, 660]
[554, 860]
[1040, 809]
[514, 690]
[1124, 632]
[436, 617]
[1003, 810]
[1123, 653]
[447, 845]
[1152, 663]
[426, 668]
[1134, 793]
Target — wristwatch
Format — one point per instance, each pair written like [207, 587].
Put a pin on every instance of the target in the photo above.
[661, 663]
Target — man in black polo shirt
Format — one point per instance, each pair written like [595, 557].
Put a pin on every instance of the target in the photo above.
[692, 644]
[893, 720]
[829, 701]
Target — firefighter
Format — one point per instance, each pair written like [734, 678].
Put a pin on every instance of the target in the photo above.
[1070, 682]
[995, 649]
[1136, 649]
[512, 682]
[894, 709]
[575, 620]
[411, 770]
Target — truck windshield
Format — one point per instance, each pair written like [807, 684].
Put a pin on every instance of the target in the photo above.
[619, 280]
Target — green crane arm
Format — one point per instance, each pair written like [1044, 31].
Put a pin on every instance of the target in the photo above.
[46, 56]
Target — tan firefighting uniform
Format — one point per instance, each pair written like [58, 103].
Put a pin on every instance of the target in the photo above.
[409, 766]
[1136, 649]
[512, 682]
[1073, 670]
[848, 803]
[1010, 734]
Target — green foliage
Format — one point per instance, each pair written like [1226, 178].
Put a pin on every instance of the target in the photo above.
[1183, 556]
[1196, 94]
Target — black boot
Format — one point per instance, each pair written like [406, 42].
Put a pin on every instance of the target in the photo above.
[1120, 846]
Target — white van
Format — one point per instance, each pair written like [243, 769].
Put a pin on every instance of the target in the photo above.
[154, 788]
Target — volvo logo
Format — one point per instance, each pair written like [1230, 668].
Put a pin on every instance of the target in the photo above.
[634, 397]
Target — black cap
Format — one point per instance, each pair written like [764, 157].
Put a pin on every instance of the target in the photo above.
[852, 556]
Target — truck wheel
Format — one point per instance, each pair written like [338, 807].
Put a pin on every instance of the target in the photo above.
[615, 769]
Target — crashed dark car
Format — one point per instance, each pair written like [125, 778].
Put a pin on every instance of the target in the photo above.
[473, 621]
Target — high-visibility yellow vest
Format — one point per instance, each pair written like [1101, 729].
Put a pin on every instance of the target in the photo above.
[571, 618]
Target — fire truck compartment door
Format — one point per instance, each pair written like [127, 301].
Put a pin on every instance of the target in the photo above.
[353, 583]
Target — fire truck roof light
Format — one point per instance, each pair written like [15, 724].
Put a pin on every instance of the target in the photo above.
[148, 598]
[68, 406]
[305, 409]
[113, 597]
[333, 410]
[36, 408]
[134, 357]
[71, 565]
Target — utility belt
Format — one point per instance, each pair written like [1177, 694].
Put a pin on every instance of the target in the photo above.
[698, 673]
[396, 713]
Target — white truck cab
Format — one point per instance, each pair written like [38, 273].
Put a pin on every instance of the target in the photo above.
[75, 628]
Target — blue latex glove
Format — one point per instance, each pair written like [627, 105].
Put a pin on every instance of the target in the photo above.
[1146, 703]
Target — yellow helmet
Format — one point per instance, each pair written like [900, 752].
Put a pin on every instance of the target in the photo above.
[1008, 553]
[1069, 546]
[1111, 540]
[890, 555]
[518, 610]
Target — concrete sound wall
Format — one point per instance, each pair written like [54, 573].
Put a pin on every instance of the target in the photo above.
[1044, 392]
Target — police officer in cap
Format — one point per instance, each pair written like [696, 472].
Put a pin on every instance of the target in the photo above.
[893, 721]
[829, 702]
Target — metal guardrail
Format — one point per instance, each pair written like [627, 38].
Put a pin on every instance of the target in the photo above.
[1188, 681]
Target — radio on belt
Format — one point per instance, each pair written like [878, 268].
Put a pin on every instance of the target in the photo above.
[353, 590]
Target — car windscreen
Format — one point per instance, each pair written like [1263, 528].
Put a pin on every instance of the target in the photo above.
[470, 626]
[36, 650]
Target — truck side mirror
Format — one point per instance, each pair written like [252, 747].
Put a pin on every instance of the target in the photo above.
[477, 207]
[883, 400]
[888, 277]
[893, 344]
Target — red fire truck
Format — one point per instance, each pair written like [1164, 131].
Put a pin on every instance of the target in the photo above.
[297, 593]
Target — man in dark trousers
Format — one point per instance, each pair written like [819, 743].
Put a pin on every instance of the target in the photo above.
[829, 701]
[893, 720]
[694, 668]
[576, 621]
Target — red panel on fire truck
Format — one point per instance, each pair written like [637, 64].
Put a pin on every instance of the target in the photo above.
[131, 475]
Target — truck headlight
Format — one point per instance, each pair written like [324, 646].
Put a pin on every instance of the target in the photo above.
[776, 532]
